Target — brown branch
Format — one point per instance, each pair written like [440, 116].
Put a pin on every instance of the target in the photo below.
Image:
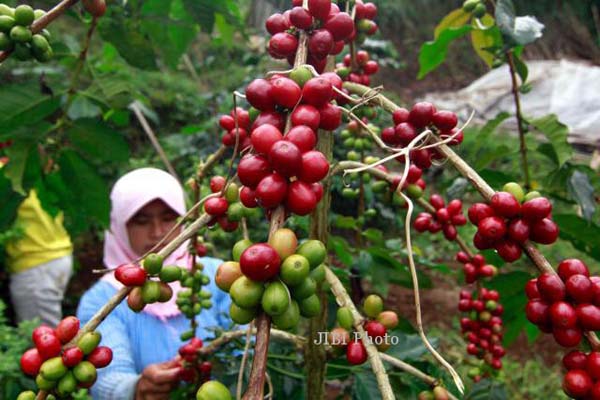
[44, 21]
[520, 120]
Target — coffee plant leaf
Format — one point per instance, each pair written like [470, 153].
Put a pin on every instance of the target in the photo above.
[581, 233]
[556, 133]
[126, 36]
[204, 11]
[92, 137]
[454, 19]
[582, 191]
[365, 387]
[433, 53]
[341, 249]
[24, 168]
[23, 104]
[487, 389]
[485, 41]
[83, 107]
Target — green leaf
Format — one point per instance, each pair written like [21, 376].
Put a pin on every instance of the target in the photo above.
[86, 186]
[485, 41]
[24, 104]
[557, 134]
[521, 68]
[10, 202]
[409, 347]
[487, 389]
[23, 168]
[365, 387]
[374, 235]
[344, 222]
[82, 107]
[342, 249]
[125, 34]
[203, 11]
[433, 54]
[496, 179]
[581, 233]
[396, 272]
[487, 130]
[582, 191]
[454, 19]
[93, 138]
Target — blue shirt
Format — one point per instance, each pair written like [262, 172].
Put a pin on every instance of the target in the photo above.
[138, 340]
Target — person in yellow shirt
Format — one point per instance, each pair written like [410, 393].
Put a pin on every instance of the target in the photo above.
[40, 263]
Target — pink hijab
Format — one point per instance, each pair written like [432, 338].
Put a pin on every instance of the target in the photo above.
[129, 194]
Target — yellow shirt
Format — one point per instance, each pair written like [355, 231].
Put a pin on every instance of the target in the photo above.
[44, 238]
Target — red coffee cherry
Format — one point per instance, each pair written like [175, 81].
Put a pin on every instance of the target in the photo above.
[579, 288]
[492, 228]
[31, 361]
[67, 329]
[551, 287]
[444, 120]
[577, 383]
[317, 91]
[286, 92]
[248, 197]
[536, 209]
[72, 356]
[537, 312]
[509, 250]
[575, 359]
[588, 316]
[478, 212]
[217, 183]
[400, 115]
[314, 166]
[330, 117]
[271, 190]
[285, 158]
[563, 315]
[276, 23]
[131, 275]
[264, 137]
[319, 8]
[569, 337]
[421, 114]
[375, 329]
[544, 231]
[340, 25]
[41, 330]
[301, 18]
[48, 345]
[100, 357]
[282, 45]
[303, 137]
[260, 262]
[269, 117]
[301, 199]
[518, 230]
[531, 289]
[572, 266]
[356, 353]
[307, 115]
[216, 206]
[252, 169]
[505, 204]
[593, 365]
[404, 133]
[259, 94]
[371, 67]
[320, 43]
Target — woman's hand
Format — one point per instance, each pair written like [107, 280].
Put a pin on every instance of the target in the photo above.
[157, 381]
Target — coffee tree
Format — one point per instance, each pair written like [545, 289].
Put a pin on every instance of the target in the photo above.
[282, 158]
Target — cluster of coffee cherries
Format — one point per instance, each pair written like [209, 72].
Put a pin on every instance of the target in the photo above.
[475, 267]
[409, 124]
[60, 369]
[227, 210]
[359, 73]
[193, 299]
[278, 277]
[582, 380]
[510, 219]
[445, 219]
[327, 27]
[438, 393]
[566, 304]
[482, 327]
[285, 169]
[16, 35]
[353, 138]
[228, 123]
[376, 326]
[191, 368]
[475, 7]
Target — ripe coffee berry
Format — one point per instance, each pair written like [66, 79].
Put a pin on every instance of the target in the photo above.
[260, 262]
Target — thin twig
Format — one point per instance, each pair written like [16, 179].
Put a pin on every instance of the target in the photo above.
[152, 136]
[520, 120]
[240, 381]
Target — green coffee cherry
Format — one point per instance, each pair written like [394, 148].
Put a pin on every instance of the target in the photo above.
[22, 52]
[67, 384]
[28, 395]
[479, 10]
[373, 305]
[6, 10]
[170, 273]
[39, 13]
[300, 75]
[5, 43]
[515, 189]
[24, 15]
[469, 5]
[532, 195]
[89, 342]
[344, 318]
[310, 307]
[53, 369]
[153, 263]
[44, 384]
[241, 315]
[6, 23]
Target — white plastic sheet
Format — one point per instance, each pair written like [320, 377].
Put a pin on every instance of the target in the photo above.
[568, 89]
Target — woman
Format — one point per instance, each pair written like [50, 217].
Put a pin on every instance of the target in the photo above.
[145, 205]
